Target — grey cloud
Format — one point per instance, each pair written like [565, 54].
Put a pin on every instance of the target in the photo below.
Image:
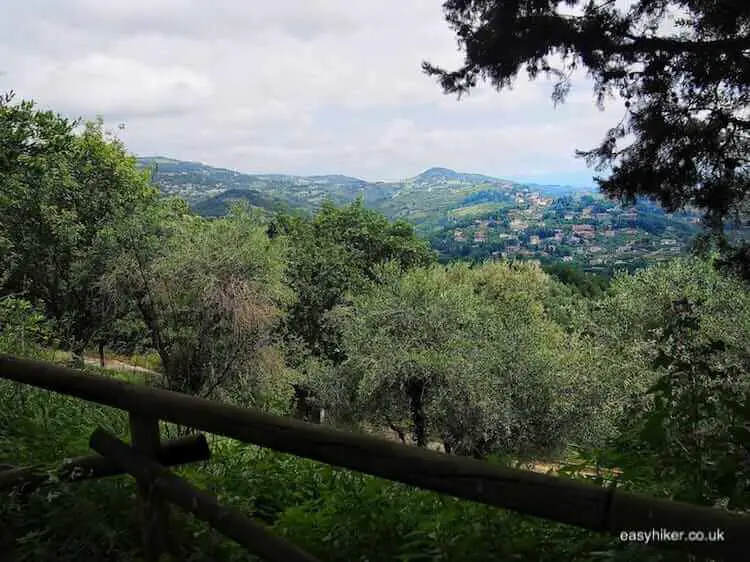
[293, 85]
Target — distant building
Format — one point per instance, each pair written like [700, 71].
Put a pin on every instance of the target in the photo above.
[584, 230]
[459, 236]
[534, 240]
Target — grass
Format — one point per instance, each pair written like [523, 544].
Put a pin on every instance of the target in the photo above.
[338, 515]
[475, 210]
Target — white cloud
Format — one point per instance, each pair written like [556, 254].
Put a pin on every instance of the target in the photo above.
[119, 87]
[300, 86]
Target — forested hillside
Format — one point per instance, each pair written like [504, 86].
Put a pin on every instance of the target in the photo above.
[448, 311]
[463, 216]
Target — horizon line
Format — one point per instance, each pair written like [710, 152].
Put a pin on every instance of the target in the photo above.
[258, 173]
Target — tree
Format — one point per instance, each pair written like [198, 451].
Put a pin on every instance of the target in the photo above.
[61, 193]
[335, 253]
[697, 429]
[685, 133]
[461, 354]
[587, 284]
[23, 329]
[210, 292]
[627, 327]
[26, 133]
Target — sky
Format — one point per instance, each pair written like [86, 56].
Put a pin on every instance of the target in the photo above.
[291, 86]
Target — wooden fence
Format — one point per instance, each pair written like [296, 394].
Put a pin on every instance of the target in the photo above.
[558, 499]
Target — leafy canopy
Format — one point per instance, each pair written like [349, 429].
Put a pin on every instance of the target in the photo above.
[681, 66]
[337, 252]
[466, 355]
[61, 193]
[210, 291]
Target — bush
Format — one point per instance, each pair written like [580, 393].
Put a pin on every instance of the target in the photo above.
[23, 328]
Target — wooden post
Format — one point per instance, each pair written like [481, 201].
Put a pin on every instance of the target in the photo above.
[228, 521]
[28, 478]
[153, 511]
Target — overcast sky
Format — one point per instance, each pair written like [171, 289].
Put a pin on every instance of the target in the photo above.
[290, 86]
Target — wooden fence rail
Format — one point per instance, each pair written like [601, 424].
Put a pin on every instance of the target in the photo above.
[231, 523]
[567, 501]
[25, 479]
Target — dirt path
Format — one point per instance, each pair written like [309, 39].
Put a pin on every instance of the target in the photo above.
[540, 466]
[119, 366]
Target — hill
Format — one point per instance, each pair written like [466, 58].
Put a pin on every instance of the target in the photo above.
[219, 205]
[196, 182]
[434, 192]
[464, 215]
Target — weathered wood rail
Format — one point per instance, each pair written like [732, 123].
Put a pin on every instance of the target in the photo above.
[171, 453]
[567, 501]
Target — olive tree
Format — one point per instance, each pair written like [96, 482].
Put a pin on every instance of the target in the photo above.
[210, 292]
[464, 361]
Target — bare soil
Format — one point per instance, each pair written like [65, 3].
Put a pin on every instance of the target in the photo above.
[115, 365]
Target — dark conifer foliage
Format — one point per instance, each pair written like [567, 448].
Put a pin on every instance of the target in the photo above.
[680, 67]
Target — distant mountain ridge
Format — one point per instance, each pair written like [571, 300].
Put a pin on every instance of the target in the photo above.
[207, 187]
[463, 215]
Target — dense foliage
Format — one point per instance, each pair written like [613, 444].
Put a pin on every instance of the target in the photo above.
[510, 362]
[61, 195]
[680, 67]
[334, 253]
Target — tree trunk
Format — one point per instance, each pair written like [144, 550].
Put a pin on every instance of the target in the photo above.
[101, 353]
[76, 355]
[151, 320]
[399, 432]
[447, 444]
[480, 450]
[415, 389]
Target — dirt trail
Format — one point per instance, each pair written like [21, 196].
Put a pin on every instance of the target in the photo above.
[119, 366]
[540, 467]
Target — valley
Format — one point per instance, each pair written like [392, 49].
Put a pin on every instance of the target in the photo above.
[464, 216]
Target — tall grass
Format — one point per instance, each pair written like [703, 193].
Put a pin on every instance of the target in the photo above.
[338, 515]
